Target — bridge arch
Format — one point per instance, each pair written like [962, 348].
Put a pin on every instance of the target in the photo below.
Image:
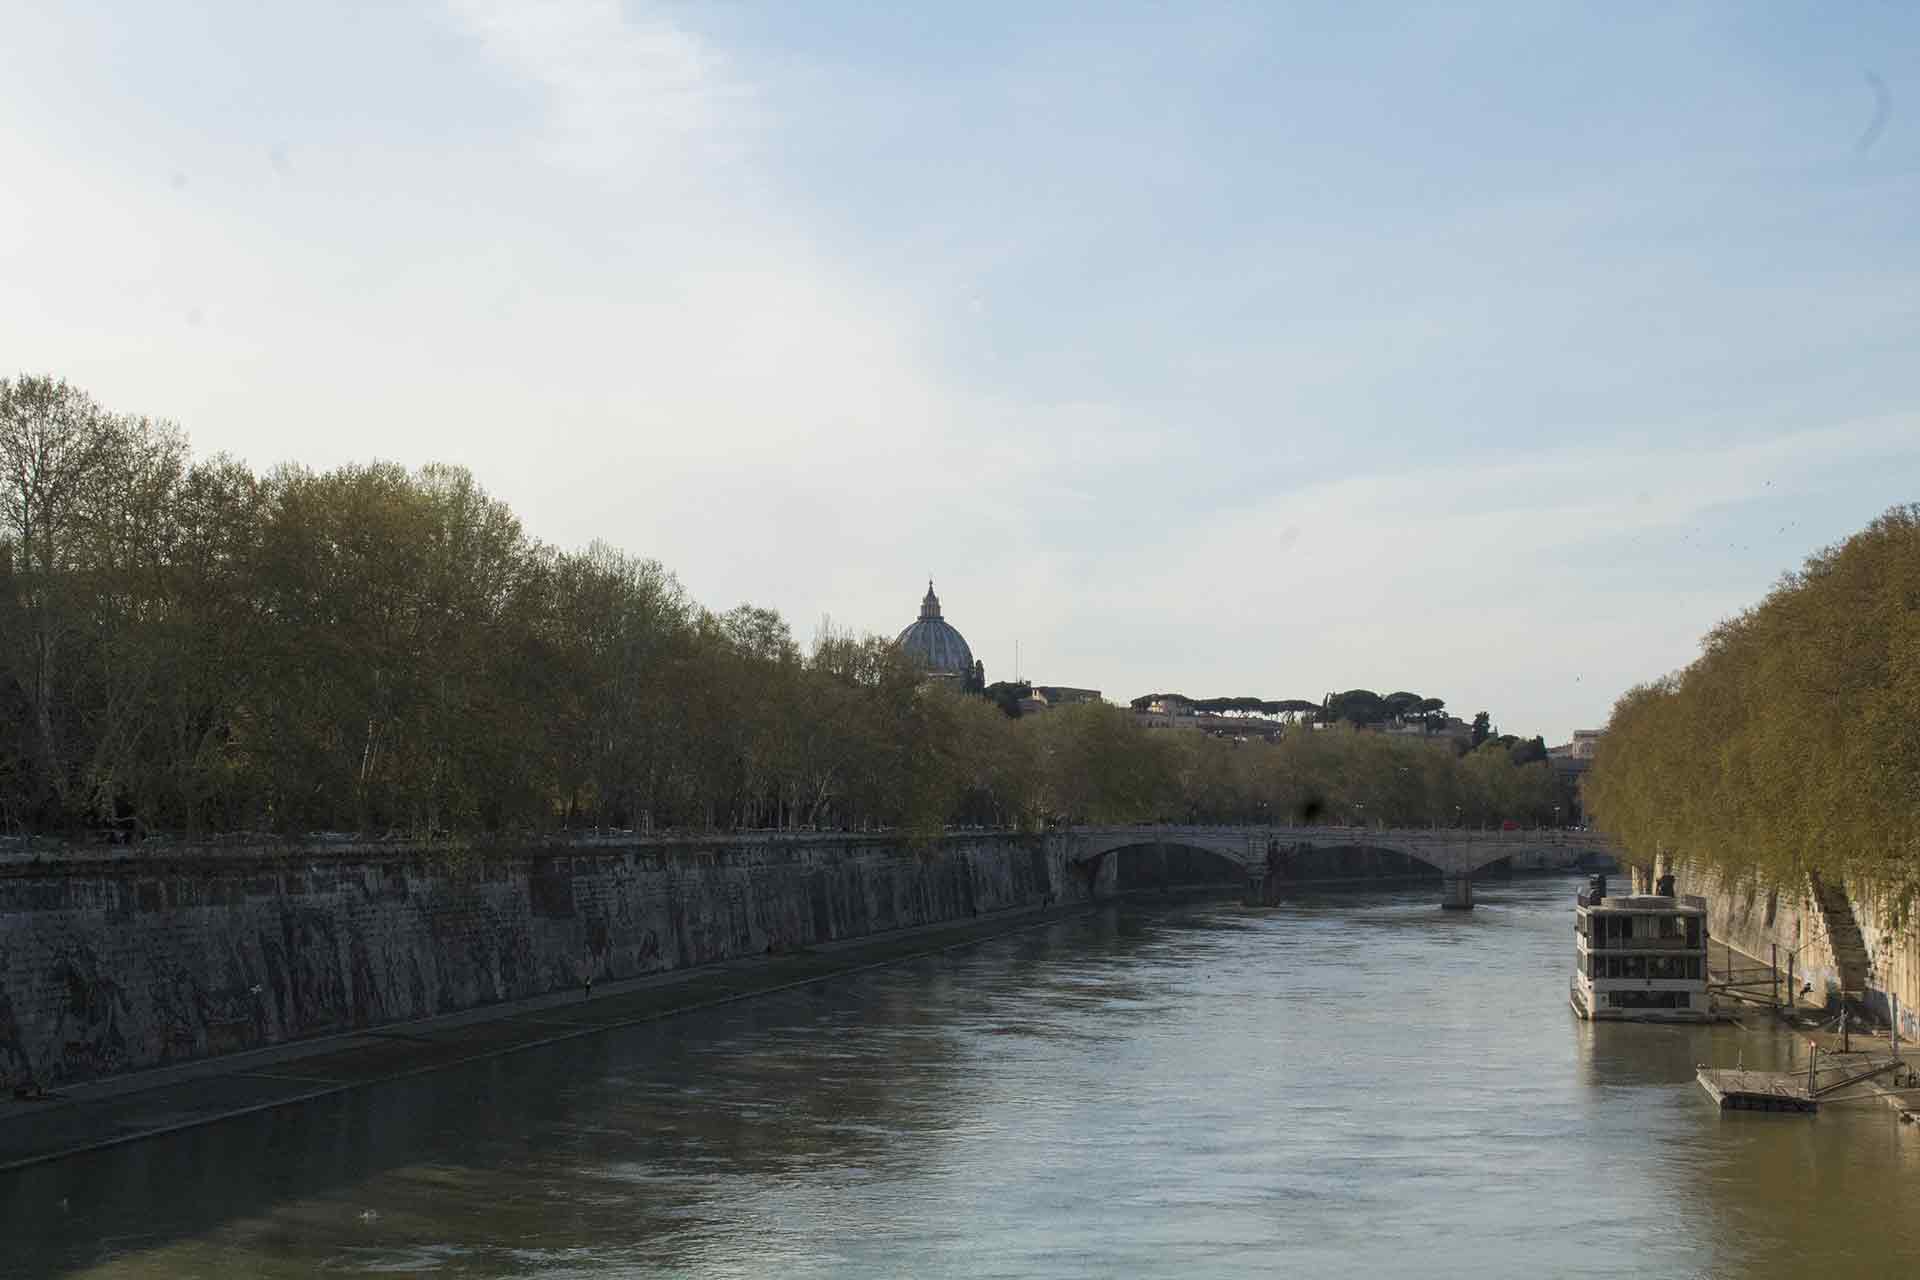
[1147, 865]
[1307, 862]
[1267, 855]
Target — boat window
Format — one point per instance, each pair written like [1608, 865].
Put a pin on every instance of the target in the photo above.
[1650, 1000]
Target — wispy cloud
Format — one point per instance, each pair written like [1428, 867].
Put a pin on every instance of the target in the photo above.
[625, 88]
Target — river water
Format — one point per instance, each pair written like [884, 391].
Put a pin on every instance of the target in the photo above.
[1354, 1085]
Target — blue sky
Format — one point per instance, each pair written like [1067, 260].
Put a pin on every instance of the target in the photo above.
[1490, 351]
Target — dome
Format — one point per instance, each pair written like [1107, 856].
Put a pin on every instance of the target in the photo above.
[940, 649]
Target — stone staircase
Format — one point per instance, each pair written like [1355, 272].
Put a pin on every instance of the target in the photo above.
[1850, 953]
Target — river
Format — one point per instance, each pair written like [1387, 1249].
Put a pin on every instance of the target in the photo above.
[1350, 1085]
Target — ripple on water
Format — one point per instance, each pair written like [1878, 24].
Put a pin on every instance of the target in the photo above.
[1358, 1085]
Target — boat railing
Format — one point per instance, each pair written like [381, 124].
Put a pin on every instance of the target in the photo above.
[1596, 943]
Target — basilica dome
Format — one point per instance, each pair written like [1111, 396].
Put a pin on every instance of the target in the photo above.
[936, 645]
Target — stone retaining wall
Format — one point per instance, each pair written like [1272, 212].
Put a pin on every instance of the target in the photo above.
[1755, 921]
[119, 962]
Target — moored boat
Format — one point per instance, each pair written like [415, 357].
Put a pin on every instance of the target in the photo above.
[1639, 957]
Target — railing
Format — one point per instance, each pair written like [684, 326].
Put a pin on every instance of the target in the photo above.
[1355, 833]
[1646, 944]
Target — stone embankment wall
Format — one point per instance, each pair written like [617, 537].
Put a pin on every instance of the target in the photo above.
[115, 963]
[1893, 964]
[1756, 920]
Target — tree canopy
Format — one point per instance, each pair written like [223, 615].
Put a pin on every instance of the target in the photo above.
[1792, 743]
[189, 647]
[1244, 705]
[1364, 707]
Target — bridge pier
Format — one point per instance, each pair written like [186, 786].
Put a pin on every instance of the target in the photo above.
[1456, 893]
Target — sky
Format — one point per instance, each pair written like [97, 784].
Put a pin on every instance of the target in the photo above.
[1495, 352]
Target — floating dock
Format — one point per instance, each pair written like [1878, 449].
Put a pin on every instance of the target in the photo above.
[1739, 1090]
[1735, 1090]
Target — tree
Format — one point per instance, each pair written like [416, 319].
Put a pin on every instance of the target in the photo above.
[190, 646]
[1401, 705]
[1006, 695]
[1528, 751]
[1789, 744]
[1482, 726]
[1358, 707]
[83, 494]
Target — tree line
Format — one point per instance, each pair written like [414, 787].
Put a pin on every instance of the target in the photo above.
[190, 647]
[1792, 743]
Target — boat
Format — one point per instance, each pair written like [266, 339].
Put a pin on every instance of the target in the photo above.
[1640, 957]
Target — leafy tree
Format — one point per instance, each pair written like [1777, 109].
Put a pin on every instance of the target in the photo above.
[1006, 695]
[1482, 726]
[1529, 751]
[188, 646]
[1788, 745]
[1358, 707]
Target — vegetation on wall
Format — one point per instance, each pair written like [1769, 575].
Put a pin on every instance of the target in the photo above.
[1792, 744]
[189, 647]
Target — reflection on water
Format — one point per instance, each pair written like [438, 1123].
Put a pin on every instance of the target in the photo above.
[1352, 1085]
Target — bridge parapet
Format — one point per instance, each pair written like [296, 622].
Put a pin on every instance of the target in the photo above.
[1456, 853]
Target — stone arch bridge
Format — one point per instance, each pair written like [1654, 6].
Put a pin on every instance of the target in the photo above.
[1271, 857]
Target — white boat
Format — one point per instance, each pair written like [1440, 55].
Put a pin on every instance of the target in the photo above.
[1640, 957]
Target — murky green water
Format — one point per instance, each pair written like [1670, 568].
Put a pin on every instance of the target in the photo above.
[1352, 1086]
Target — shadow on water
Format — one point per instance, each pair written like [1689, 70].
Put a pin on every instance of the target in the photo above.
[503, 1145]
[1356, 1083]
[1762, 1194]
[624, 1135]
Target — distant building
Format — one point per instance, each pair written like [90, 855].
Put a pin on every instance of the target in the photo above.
[1452, 732]
[1060, 695]
[1045, 697]
[1570, 763]
[1178, 713]
[1581, 748]
[940, 648]
[1167, 713]
[1575, 757]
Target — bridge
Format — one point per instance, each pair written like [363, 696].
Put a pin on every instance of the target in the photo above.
[1270, 857]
